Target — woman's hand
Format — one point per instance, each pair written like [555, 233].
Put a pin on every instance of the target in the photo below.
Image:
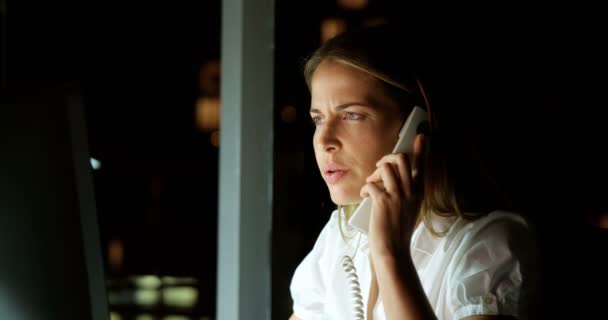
[396, 198]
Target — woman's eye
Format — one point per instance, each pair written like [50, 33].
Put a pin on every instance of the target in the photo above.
[353, 116]
[316, 120]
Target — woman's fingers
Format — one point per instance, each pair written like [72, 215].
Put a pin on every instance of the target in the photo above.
[409, 170]
[387, 177]
[402, 167]
[370, 189]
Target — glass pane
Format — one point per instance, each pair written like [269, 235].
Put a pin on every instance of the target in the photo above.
[152, 102]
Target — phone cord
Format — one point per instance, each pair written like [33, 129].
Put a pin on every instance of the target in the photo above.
[355, 289]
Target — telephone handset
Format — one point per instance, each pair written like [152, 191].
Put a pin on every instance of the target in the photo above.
[405, 144]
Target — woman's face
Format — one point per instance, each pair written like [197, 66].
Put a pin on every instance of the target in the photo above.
[356, 124]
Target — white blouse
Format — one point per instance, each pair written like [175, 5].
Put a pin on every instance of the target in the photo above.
[478, 267]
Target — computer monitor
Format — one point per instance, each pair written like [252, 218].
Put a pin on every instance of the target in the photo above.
[50, 254]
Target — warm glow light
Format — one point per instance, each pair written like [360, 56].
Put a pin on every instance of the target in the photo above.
[374, 21]
[180, 296]
[115, 316]
[215, 138]
[209, 79]
[116, 254]
[602, 221]
[331, 27]
[155, 185]
[207, 113]
[353, 4]
[289, 114]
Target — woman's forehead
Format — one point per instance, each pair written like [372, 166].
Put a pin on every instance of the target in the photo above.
[335, 83]
[335, 79]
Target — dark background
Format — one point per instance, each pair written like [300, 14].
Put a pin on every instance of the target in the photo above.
[532, 74]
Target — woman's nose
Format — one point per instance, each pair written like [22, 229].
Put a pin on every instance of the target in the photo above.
[327, 138]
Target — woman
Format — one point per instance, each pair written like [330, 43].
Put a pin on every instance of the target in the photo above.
[437, 248]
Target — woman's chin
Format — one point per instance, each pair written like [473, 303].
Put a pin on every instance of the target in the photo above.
[344, 199]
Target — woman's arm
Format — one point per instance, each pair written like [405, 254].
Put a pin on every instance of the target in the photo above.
[396, 200]
[402, 294]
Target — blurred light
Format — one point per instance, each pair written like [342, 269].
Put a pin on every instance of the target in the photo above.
[374, 21]
[147, 282]
[9, 309]
[176, 317]
[215, 138]
[602, 221]
[208, 113]
[172, 281]
[145, 317]
[353, 4]
[288, 114]
[209, 78]
[146, 297]
[331, 27]
[155, 185]
[180, 296]
[95, 164]
[120, 297]
[116, 254]
[115, 316]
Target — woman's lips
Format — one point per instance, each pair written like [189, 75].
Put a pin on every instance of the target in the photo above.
[334, 176]
[334, 171]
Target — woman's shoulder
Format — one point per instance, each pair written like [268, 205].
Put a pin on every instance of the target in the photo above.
[501, 222]
[498, 228]
[331, 227]
[493, 262]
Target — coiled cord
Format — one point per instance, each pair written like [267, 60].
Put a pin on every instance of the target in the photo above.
[355, 290]
[353, 280]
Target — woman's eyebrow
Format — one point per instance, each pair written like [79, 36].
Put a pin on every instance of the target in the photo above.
[343, 106]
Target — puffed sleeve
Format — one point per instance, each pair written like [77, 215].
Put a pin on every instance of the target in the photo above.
[308, 283]
[492, 272]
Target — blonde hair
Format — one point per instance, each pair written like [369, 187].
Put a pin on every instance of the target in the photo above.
[371, 50]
